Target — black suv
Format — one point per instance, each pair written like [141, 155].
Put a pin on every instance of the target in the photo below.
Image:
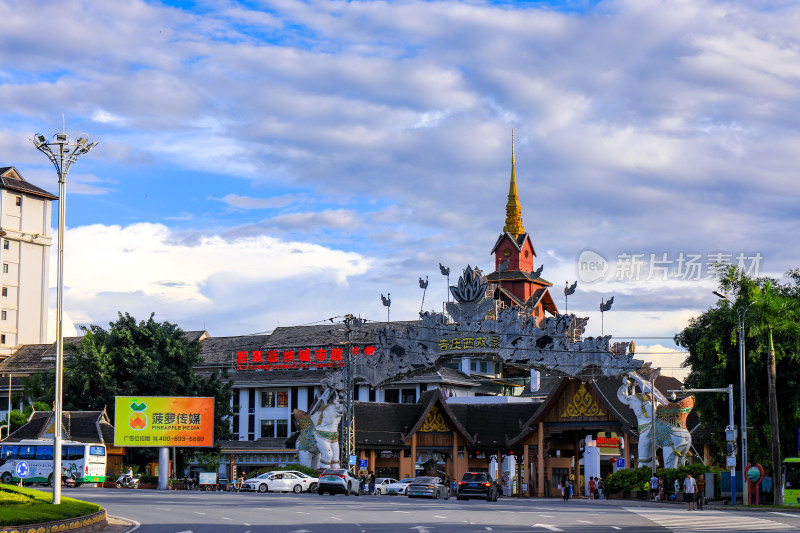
[477, 485]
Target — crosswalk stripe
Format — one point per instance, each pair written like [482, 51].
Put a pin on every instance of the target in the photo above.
[685, 522]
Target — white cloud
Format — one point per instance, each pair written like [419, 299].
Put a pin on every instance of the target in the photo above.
[149, 268]
[246, 202]
[105, 117]
[669, 360]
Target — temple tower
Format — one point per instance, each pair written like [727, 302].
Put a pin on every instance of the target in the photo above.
[516, 281]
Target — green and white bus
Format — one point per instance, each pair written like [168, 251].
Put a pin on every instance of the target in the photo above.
[84, 463]
[791, 481]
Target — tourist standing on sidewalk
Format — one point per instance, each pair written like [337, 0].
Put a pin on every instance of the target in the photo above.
[567, 488]
[600, 486]
[677, 487]
[689, 486]
[701, 491]
[662, 496]
[592, 488]
[653, 488]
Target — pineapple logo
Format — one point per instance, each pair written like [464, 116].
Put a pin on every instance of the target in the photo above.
[138, 418]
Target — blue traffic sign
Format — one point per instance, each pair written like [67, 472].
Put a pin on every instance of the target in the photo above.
[362, 464]
[621, 462]
[22, 469]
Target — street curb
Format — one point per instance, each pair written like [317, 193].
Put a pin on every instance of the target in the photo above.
[81, 524]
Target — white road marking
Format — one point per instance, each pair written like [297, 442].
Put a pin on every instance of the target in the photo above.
[682, 520]
[402, 512]
[548, 527]
[196, 512]
[793, 515]
[163, 509]
[437, 516]
[334, 518]
[586, 521]
[545, 516]
[226, 518]
[137, 526]
[489, 529]
[302, 512]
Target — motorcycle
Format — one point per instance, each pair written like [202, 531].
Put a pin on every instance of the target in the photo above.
[126, 482]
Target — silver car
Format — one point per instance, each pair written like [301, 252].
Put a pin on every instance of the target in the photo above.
[428, 487]
[339, 480]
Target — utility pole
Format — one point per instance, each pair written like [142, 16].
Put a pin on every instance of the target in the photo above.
[348, 446]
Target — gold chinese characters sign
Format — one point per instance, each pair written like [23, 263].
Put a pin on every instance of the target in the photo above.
[452, 343]
[582, 404]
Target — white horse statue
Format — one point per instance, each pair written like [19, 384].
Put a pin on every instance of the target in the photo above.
[318, 443]
[671, 434]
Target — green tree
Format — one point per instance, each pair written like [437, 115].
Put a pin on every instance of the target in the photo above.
[772, 338]
[148, 358]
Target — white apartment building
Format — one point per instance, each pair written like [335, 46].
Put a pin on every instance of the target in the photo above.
[25, 240]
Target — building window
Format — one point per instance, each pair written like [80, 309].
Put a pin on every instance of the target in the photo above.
[274, 429]
[3, 315]
[2, 339]
[267, 400]
[282, 429]
[275, 399]
[283, 399]
[5, 291]
[5, 268]
[267, 429]
[391, 396]
[18, 201]
[409, 396]
[5, 244]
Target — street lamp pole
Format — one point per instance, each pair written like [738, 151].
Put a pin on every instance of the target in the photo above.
[742, 388]
[62, 153]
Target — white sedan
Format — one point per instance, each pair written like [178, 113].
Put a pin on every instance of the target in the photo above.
[381, 483]
[280, 482]
[399, 488]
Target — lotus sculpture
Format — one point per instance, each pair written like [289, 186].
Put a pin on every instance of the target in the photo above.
[470, 288]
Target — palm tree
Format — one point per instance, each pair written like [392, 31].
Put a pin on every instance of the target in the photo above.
[775, 314]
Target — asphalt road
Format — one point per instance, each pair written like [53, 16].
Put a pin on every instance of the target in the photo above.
[223, 512]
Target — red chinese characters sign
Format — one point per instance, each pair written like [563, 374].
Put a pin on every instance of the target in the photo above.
[296, 358]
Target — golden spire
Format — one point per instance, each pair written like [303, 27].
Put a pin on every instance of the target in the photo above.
[513, 209]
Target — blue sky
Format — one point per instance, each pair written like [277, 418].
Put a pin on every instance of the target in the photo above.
[276, 163]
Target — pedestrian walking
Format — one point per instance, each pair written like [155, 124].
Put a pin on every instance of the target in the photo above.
[371, 479]
[567, 489]
[653, 488]
[592, 488]
[600, 487]
[689, 486]
[701, 491]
